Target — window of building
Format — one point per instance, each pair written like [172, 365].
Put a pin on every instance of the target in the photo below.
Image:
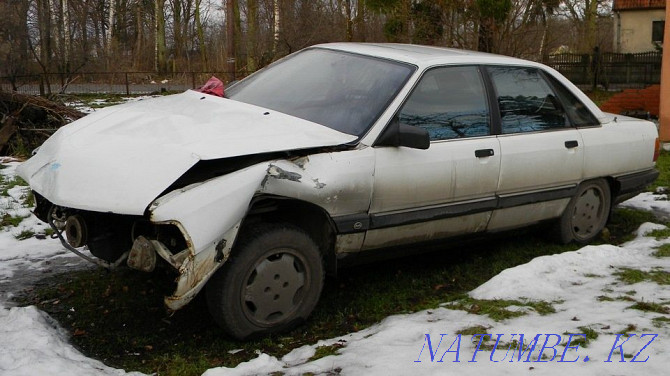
[657, 29]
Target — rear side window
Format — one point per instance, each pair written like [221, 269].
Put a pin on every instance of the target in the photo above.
[526, 101]
[449, 102]
[577, 111]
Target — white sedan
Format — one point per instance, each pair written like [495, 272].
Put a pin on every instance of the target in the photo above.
[332, 151]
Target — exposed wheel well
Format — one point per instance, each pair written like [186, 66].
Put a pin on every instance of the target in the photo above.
[311, 218]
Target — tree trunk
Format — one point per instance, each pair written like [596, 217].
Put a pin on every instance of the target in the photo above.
[252, 28]
[201, 37]
[485, 36]
[276, 27]
[44, 21]
[545, 36]
[360, 21]
[406, 17]
[138, 37]
[590, 19]
[66, 35]
[349, 33]
[109, 34]
[230, 39]
[161, 62]
[177, 27]
[238, 32]
[83, 23]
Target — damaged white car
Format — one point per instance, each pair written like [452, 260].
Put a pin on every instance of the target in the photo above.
[329, 152]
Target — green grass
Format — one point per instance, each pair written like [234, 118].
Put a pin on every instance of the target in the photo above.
[661, 321]
[8, 220]
[630, 328]
[631, 276]
[7, 185]
[659, 234]
[624, 222]
[29, 200]
[120, 319]
[324, 351]
[663, 166]
[472, 330]
[662, 251]
[497, 309]
[25, 234]
[589, 333]
[651, 307]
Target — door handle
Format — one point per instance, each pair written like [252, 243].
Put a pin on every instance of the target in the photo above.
[482, 153]
[571, 144]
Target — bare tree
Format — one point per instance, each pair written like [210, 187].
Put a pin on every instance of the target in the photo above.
[160, 47]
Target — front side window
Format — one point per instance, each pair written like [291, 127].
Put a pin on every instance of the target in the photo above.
[342, 91]
[526, 101]
[449, 102]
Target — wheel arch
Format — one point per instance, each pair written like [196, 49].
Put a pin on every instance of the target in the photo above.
[311, 218]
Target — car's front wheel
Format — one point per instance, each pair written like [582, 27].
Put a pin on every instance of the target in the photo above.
[271, 282]
[586, 214]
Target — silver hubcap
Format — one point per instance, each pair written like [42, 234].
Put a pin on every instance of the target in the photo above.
[588, 213]
[274, 288]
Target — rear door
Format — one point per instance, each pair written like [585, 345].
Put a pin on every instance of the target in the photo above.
[542, 153]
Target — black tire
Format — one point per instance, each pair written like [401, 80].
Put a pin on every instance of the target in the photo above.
[271, 282]
[586, 215]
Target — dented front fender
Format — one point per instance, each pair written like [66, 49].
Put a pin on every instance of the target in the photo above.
[210, 213]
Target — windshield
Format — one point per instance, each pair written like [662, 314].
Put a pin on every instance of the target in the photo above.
[342, 91]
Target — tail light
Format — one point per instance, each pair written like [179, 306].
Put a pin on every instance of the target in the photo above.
[657, 149]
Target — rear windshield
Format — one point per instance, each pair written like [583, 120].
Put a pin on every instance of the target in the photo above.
[339, 90]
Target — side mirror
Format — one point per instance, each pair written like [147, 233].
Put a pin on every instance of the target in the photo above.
[397, 134]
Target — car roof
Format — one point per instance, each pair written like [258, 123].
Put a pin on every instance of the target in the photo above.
[423, 55]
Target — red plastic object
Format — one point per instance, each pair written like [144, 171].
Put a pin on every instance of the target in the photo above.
[214, 87]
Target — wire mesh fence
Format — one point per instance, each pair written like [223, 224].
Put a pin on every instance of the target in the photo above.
[607, 70]
[127, 83]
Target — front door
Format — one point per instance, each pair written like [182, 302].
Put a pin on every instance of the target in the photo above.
[448, 189]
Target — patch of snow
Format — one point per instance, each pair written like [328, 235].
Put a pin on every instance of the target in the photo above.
[654, 202]
[34, 344]
[96, 104]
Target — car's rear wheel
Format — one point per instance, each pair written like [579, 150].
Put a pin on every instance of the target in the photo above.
[586, 215]
[271, 282]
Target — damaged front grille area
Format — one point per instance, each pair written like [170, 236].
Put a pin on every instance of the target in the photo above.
[113, 238]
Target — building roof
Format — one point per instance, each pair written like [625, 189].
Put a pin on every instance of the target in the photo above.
[638, 4]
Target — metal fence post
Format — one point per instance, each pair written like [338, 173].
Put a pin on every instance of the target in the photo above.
[127, 86]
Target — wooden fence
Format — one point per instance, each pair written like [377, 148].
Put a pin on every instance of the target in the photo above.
[609, 70]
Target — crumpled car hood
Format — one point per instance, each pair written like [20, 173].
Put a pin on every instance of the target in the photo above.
[121, 158]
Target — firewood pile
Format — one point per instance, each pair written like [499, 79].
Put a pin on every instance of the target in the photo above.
[27, 121]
